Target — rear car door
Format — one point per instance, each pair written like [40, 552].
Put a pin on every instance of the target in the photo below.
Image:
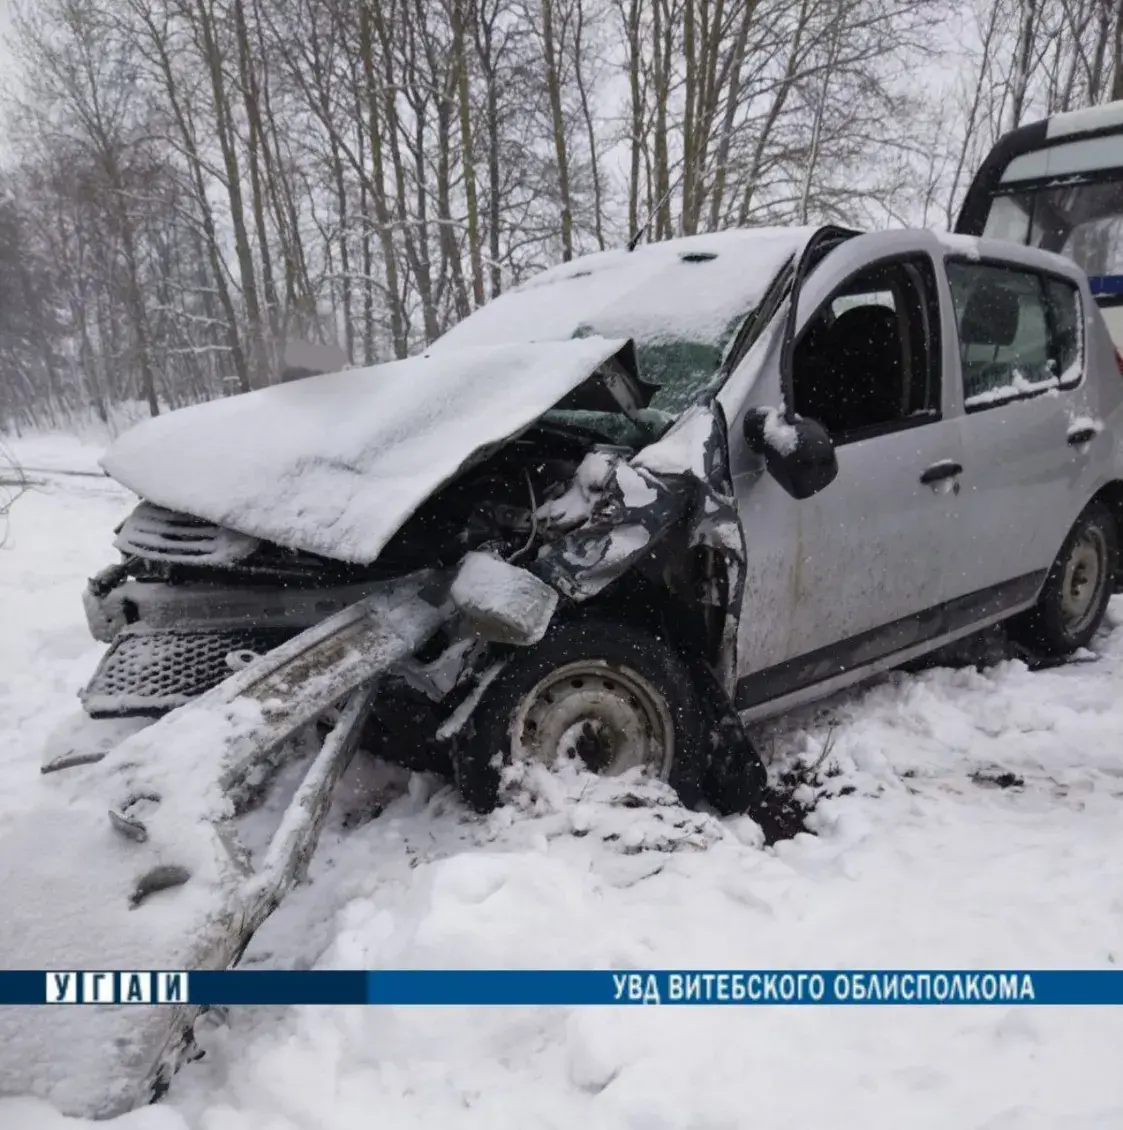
[844, 578]
[1025, 423]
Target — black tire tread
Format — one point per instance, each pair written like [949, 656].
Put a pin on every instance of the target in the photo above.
[1042, 628]
[654, 658]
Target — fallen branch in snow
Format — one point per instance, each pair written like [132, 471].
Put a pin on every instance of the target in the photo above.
[14, 483]
[64, 471]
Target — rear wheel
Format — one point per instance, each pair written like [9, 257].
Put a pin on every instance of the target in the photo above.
[1074, 599]
[606, 694]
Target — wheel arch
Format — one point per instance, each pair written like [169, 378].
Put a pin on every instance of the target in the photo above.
[681, 594]
[1111, 496]
[685, 596]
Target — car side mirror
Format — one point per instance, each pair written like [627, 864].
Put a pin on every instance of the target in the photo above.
[798, 454]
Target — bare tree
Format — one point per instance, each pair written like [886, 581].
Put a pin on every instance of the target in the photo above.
[194, 182]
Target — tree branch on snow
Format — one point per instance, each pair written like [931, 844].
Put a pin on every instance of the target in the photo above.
[14, 483]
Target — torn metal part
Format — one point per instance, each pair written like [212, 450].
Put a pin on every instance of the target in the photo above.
[440, 676]
[574, 504]
[290, 850]
[635, 508]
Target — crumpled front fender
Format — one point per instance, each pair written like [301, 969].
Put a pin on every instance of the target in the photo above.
[681, 482]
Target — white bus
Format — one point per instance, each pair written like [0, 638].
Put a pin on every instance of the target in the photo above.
[1058, 184]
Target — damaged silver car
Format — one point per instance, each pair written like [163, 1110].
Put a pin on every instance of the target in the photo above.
[615, 514]
[658, 498]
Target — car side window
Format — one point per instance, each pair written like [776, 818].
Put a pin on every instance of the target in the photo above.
[869, 360]
[1019, 332]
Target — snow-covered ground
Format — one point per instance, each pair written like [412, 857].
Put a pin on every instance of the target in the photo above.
[918, 861]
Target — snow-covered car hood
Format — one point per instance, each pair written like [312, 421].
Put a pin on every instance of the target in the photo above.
[336, 464]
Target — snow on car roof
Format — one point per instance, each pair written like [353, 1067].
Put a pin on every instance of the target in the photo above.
[692, 289]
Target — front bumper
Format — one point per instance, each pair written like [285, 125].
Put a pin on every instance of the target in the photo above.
[114, 602]
[169, 644]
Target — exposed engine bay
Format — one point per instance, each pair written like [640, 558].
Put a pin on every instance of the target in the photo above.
[192, 602]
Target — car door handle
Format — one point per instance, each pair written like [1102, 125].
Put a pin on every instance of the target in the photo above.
[1078, 436]
[945, 469]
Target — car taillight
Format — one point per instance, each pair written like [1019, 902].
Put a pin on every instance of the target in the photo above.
[1119, 362]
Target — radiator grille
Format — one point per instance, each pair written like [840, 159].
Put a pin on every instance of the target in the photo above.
[149, 671]
[164, 535]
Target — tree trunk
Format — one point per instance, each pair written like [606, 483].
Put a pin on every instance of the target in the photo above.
[557, 121]
[225, 130]
[467, 159]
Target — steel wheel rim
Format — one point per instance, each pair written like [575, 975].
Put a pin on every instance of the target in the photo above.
[1083, 577]
[606, 715]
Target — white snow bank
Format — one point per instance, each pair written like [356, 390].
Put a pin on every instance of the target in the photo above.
[929, 869]
[83, 427]
[336, 464]
[919, 865]
[688, 289]
[53, 452]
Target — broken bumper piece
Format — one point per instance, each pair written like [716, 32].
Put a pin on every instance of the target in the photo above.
[164, 882]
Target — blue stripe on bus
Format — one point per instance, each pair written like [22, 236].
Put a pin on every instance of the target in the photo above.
[1106, 284]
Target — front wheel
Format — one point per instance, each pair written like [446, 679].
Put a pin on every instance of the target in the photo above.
[1074, 598]
[607, 694]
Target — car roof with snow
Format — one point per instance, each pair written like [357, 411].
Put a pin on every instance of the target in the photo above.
[679, 300]
[688, 289]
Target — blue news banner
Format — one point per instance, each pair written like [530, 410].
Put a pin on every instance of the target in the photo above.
[562, 987]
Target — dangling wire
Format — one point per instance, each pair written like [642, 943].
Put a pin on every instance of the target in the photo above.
[533, 522]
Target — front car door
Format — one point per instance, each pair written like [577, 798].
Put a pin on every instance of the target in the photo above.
[844, 579]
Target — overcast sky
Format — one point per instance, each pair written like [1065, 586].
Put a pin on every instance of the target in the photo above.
[5, 61]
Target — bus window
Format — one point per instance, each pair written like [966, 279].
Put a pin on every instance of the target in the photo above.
[1009, 219]
[1058, 185]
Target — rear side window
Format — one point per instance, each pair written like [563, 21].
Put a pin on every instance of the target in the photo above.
[1019, 332]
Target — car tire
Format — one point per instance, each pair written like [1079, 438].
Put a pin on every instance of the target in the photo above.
[603, 691]
[1079, 585]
